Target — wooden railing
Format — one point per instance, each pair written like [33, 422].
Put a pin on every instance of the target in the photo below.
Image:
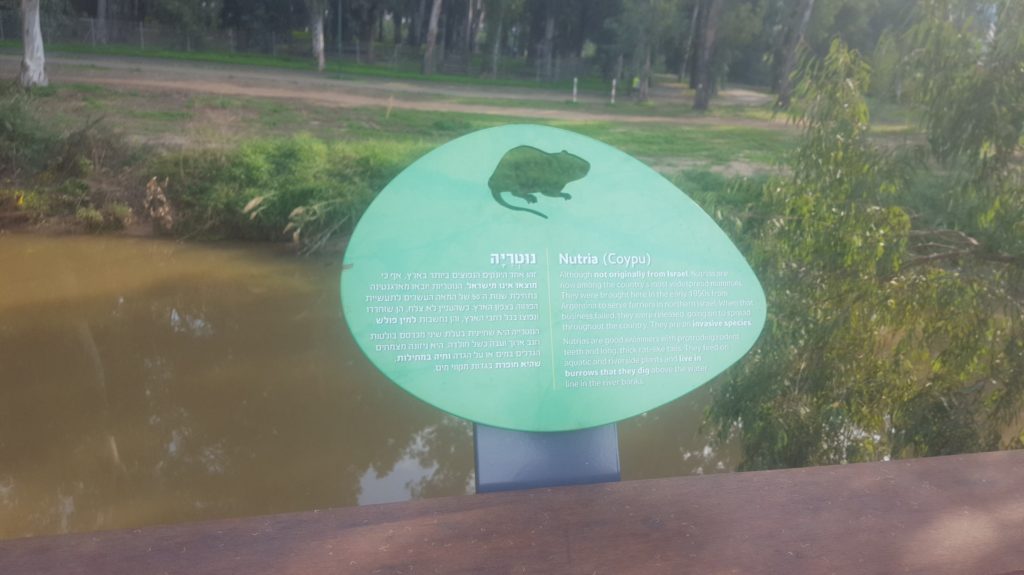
[958, 514]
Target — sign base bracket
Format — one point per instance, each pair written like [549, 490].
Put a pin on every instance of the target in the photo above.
[509, 460]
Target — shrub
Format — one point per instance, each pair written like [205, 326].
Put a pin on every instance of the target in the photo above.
[306, 188]
[90, 218]
[25, 142]
[117, 215]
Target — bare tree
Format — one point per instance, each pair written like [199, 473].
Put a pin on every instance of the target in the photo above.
[796, 37]
[428, 54]
[33, 64]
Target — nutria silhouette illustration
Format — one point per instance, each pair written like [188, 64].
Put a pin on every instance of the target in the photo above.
[525, 172]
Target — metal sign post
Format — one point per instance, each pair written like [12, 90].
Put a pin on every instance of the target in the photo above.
[512, 460]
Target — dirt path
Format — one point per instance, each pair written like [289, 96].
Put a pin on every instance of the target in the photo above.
[164, 76]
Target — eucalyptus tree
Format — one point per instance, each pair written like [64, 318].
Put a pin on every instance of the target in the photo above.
[429, 63]
[708, 33]
[33, 62]
[801, 17]
[317, 14]
[894, 278]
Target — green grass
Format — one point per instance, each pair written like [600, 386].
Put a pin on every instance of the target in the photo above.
[885, 113]
[158, 115]
[711, 143]
[150, 115]
[79, 88]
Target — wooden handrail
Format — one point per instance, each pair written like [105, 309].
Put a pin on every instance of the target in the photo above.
[956, 514]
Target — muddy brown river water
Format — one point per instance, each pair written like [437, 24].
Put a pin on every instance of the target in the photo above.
[145, 381]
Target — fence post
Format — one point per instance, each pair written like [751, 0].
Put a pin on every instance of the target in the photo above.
[142, 37]
[575, 84]
[615, 81]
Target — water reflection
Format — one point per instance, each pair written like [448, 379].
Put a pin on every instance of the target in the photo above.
[146, 382]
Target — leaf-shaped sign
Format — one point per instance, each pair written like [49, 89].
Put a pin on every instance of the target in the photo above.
[530, 278]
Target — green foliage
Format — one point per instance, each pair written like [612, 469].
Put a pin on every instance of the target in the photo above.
[870, 351]
[741, 24]
[29, 146]
[25, 142]
[885, 68]
[300, 186]
[969, 74]
[90, 218]
[191, 15]
[114, 216]
[56, 168]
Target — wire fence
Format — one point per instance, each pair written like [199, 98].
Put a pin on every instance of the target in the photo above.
[109, 35]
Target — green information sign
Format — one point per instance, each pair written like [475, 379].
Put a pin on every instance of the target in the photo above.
[530, 278]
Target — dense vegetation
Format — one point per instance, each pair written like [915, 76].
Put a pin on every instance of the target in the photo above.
[301, 186]
[894, 279]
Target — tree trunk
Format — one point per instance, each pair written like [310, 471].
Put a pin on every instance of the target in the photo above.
[684, 65]
[697, 40]
[789, 62]
[645, 74]
[396, 21]
[33, 64]
[446, 30]
[707, 48]
[496, 51]
[468, 46]
[366, 28]
[477, 19]
[581, 34]
[549, 45]
[428, 54]
[317, 30]
[339, 37]
[101, 21]
[415, 35]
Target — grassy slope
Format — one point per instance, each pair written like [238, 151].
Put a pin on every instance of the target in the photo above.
[164, 126]
[153, 117]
